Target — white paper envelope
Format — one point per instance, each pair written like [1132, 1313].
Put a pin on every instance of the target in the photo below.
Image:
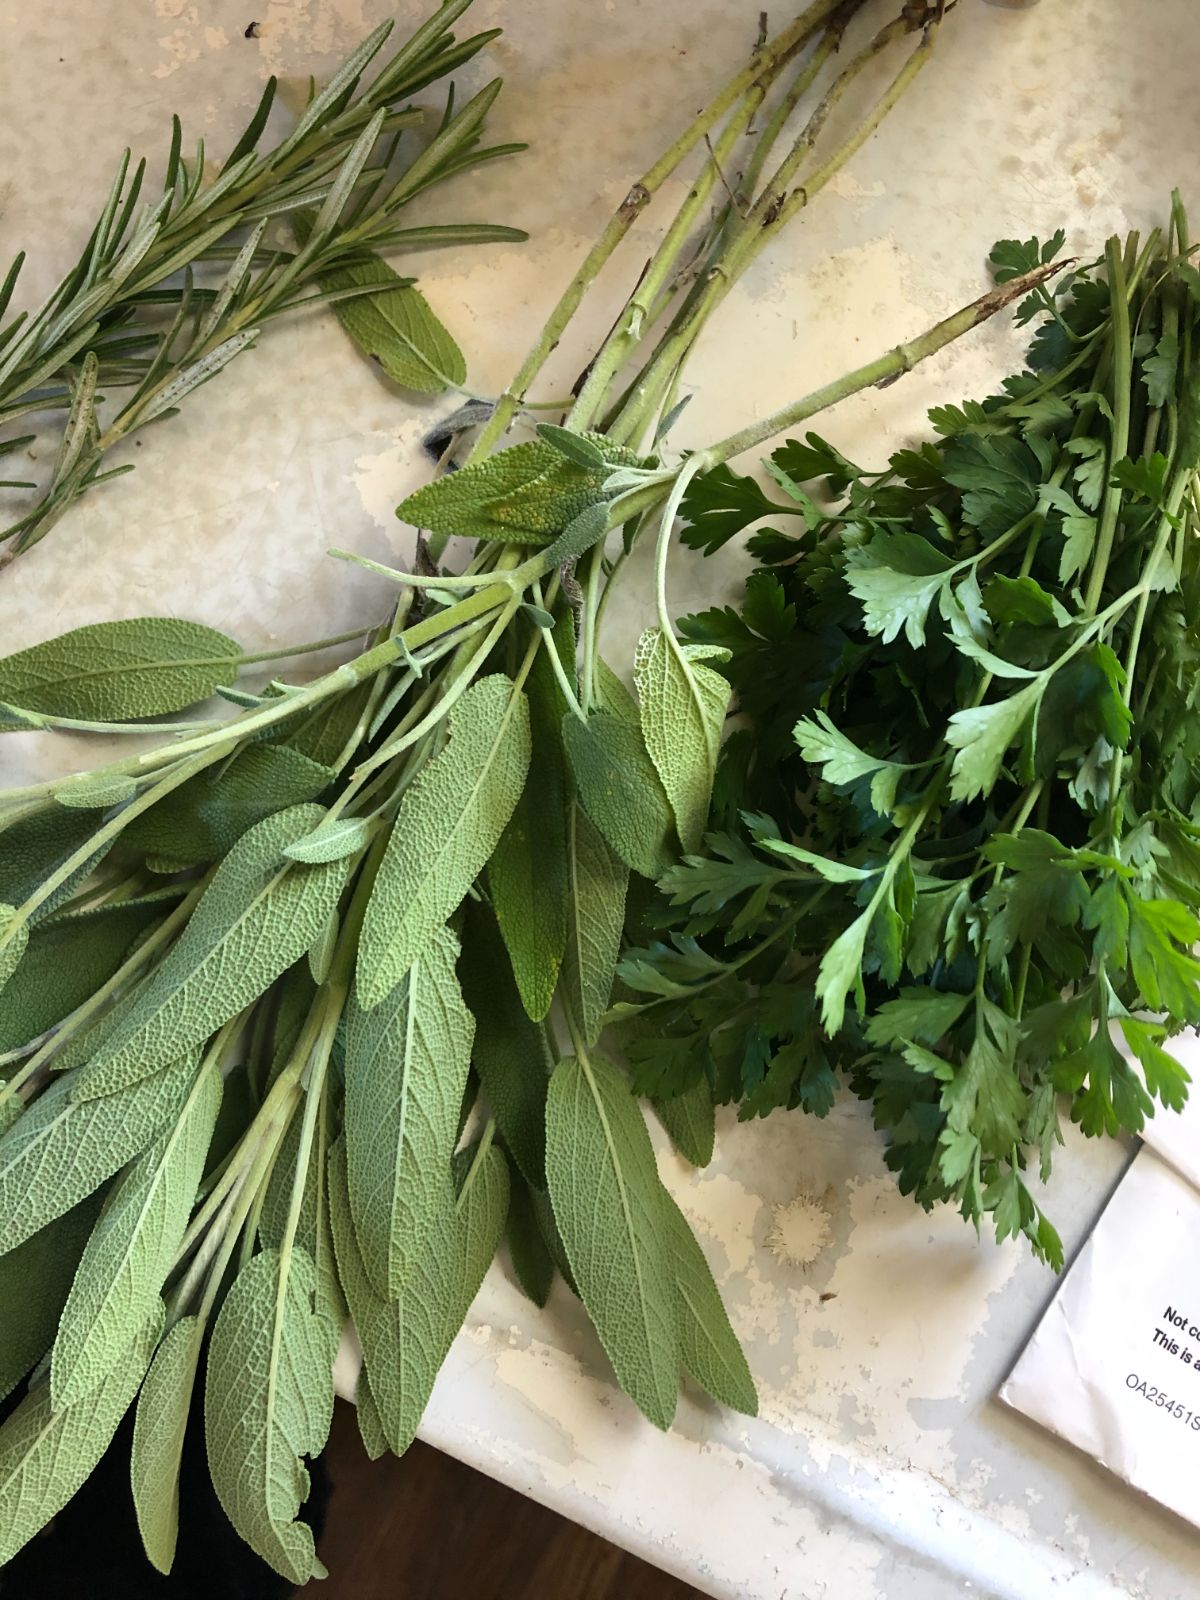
[1114, 1365]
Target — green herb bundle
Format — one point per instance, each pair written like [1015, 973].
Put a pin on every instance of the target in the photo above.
[161, 301]
[301, 1007]
[966, 789]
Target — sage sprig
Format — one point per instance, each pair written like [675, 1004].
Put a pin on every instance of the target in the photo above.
[164, 297]
[400, 966]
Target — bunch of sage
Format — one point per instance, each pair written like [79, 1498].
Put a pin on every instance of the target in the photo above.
[302, 1007]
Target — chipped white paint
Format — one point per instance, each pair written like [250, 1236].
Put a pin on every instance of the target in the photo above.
[880, 1468]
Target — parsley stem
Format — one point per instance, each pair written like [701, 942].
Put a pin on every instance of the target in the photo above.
[1171, 515]
[885, 369]
[699, 462]
[1119, 435]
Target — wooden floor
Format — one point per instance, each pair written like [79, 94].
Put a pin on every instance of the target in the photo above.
[425, 1527]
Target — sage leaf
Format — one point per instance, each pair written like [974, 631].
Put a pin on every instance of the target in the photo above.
[35, 1280]
[531, 1258]
[46, 1454]
[159, 1426]
[607, 1201]
[406, 1069]
[296, 994]
[509, 1052]
[320, 953]
[118, 671]
[370, 1423]
[62, 1150]
[527, 873]
[129, 1255]
[447, 825]
[579, 535]
[708, 1346]
[268, 1402]
[14, 945]
[620, 789]
[406, 1340]
[38, 845]
[543, 1212]
[395, 326]
[599, 881]
[332, 841]
[259, 914]
[612, 695]
[683, 705]
[690, 1121]
[329, 734]
[95, 793]
[70, 956]
[205, 817]
[525, 494]
[576, 447]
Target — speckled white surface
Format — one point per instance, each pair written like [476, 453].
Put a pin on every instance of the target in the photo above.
[882, 1467]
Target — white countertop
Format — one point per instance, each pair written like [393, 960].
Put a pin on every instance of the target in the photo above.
[881, 1466]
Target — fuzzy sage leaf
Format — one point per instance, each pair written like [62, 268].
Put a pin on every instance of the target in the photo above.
[268, 1402]
[608, 1204]
[683, 705]
[35, 1280]
[527, 873]
[119, 671]
[509, 1051]
[130, 1253]
[62, 1150]
[599, 881]
[45, 1454]
[446, 827]
[525, 494]
[406, 1069]
[708, 1348]
[690, 1121]
[158, 1432]
[260, 913]
[406, 1340]
[620, 789]
[394, 325]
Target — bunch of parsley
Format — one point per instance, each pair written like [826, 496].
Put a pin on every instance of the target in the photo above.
[957, 857]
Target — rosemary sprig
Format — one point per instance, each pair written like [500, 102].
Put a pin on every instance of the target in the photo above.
[144, 308]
